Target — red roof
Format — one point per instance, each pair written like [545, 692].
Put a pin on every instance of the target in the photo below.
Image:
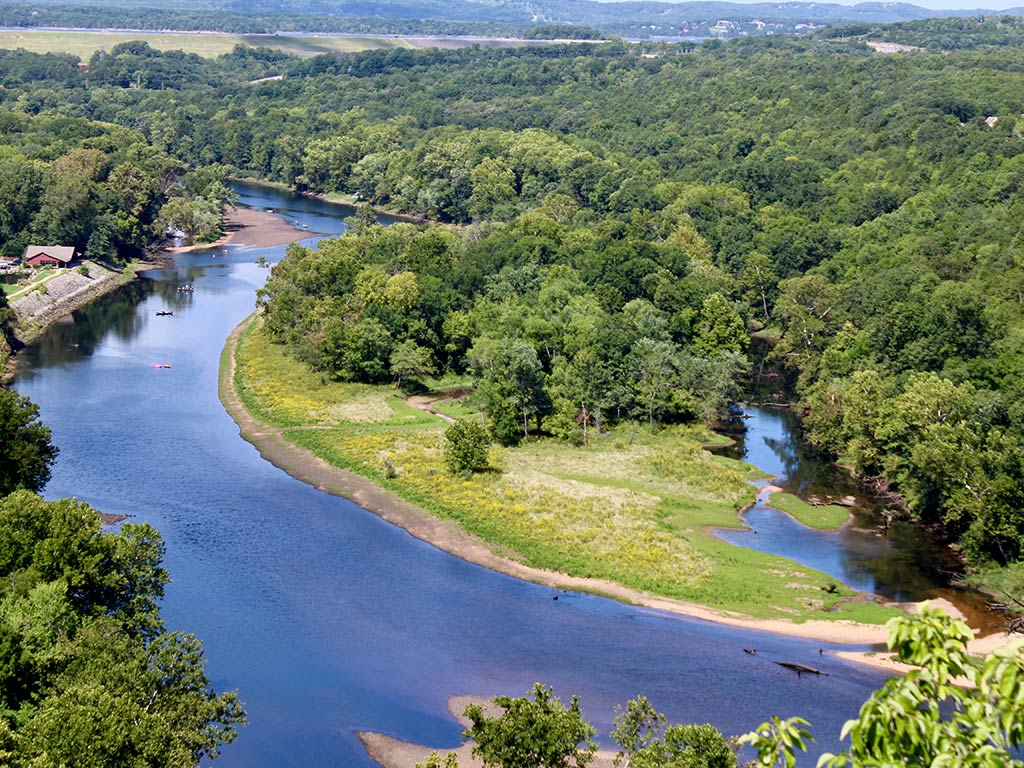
[61, 253]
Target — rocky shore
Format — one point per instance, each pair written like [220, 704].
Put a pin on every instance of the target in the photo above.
[64, 293]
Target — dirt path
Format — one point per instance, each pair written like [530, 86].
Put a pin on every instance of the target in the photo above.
[426, 404]
[446, 535]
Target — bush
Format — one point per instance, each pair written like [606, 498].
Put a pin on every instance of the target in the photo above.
[466, 447]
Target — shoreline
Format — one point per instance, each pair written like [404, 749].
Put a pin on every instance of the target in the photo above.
[392, 752]
[32, 325]
[249, 228]
[446, 535]
[339, 199]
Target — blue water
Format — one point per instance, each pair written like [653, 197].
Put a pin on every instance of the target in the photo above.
[325, 618]
[894, 566]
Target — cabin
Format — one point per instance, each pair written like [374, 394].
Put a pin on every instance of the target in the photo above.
[49, 255]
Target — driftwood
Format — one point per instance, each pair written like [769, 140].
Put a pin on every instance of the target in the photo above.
[1011, 611]
[800, 669]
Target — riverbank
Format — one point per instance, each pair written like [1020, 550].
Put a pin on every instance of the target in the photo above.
[449, 535]
[63, 293]
[341, 199]
[251, 228]
[395, 753]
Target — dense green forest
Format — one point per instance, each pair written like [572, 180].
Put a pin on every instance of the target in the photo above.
[99, 187]
[619, 216]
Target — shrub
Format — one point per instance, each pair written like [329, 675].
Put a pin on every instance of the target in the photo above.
[466, 447]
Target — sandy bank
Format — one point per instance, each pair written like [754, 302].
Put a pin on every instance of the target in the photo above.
[395, 753]
[252, 228]
[446, 535]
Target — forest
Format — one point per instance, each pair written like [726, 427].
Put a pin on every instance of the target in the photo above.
[613, 221]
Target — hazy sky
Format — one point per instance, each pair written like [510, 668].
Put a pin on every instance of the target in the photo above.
[988, 5]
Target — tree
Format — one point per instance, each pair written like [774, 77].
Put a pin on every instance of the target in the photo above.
[122, 702]
[721, 327]
[88, 675]
[642, 744]
[531, 733]
[198, 218]
[928, 716]
[434, 760]
[411, 362]
[7, 320]
[511, 385]
[466, 447]
[26, 452]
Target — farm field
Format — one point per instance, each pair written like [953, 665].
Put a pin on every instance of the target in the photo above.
[84, 43]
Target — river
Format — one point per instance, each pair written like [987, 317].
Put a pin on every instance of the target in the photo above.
[325, 618]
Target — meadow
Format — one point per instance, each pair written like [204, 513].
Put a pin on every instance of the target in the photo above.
[637, 506]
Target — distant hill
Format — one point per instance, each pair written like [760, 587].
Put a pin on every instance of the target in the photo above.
[635, 18]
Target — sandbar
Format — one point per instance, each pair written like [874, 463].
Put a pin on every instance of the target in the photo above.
[252, 228]
[395, 753]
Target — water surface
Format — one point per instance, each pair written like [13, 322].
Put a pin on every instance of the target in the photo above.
[325, 618]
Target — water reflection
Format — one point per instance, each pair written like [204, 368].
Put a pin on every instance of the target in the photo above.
[903, 564]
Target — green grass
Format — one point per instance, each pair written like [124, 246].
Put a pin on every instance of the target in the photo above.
[826, 517]
[636, 506]
[39, 278]
[999, 581]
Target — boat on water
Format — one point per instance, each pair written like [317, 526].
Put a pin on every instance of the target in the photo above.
[160, 365]
[164, 313]
[186, 288]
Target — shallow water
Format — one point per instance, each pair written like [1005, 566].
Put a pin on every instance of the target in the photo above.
[903, 564]
[327, 619]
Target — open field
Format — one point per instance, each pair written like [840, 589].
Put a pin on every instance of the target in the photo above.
[84, 43]
[635, 508]
[208, 44]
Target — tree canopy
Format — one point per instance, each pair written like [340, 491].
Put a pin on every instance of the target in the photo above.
[26, 449]
[947, 710]
[88, 674]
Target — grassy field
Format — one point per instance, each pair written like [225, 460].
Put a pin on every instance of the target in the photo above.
[635, 507]
[40, 277]
[84, 43]
[825, 517]
[210, 45]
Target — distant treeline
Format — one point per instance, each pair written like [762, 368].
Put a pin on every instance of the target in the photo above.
[157, 19]
[635, 19]
[949, 34]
